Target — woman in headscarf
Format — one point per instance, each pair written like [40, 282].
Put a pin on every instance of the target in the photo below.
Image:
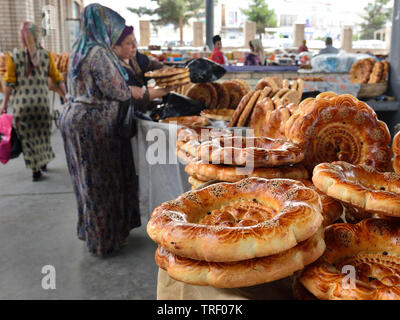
[27, 72]
[256, 57]
[99, 161]
[136, 65]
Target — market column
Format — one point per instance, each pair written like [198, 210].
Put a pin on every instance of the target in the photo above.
[249, 32]
[394, 74]
[144, 26]
[347, 38]
[298, 34]
[209, 23]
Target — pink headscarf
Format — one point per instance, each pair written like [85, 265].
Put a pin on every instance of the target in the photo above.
[31, 42]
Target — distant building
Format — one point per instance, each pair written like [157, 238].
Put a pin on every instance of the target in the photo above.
[58, 19]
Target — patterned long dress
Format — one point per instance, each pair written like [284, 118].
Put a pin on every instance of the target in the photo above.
[100, 164]
[31, 110]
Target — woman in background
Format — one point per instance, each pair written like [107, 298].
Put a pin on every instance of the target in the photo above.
[27, 71]
[256, 57]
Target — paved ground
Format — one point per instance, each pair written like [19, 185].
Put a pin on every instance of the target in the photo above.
[38, 228]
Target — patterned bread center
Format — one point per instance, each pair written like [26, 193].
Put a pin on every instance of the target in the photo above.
[338, 142]
[239, 214]
[376, 270]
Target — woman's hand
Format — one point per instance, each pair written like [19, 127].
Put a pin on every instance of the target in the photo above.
[137, 93]
[3, 107]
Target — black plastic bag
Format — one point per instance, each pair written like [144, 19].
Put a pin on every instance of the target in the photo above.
[125, 119]
[205, 70]
[16, 147]
[176, 105]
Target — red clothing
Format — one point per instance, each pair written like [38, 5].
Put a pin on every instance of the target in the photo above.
[302, 48]
[217, 56]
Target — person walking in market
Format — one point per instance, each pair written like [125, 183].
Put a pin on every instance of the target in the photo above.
[99, 161]
[26, 90]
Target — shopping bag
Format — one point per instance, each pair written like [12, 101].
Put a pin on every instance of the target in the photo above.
[16, 146]
[205, 70]
[5, 137]
[176, 105]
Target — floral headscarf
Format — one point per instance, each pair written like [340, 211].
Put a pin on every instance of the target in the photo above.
[30, 38]
[100, 26]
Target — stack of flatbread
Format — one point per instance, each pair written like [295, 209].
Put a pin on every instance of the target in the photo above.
[191, 143]
[226, 94]
[267, 108]
[168, 76]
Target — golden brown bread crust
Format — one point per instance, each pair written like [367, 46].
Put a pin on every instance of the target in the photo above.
[259, 116]
[184, 156]
[208, 171]
[188, 133]
[360, 186]
[242, 273]
[196, 183]
[341, 128]
[361, 70]
[385, 71]
[332, 209]
[248, 109]
[372, 248]
[204, 92]
[206, 224]
[245, 87]
[189, 138]
[187, 120]
[184, 75]
[377, 72]
[250, 151]
[223, 95]
[396, 152]
[238, 111]
[236, 92]
[218, 114]
[267, 82]
[165, 72]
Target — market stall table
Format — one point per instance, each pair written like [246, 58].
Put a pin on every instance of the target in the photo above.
[161, 174]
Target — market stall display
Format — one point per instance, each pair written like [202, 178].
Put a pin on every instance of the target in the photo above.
[369, 71]
[187, 120]
[333, 127]
[271, 216]
[360, 186]
[396, 152]
[224, 114]
[169, 76]
[371, 249]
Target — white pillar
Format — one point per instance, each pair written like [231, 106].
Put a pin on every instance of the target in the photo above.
[249, 32]
[298, 34]
[198, 34]
[347, 38]
[144, 26]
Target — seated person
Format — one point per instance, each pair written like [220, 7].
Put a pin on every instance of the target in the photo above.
[329, 47]
[303, 47]
[256, 57]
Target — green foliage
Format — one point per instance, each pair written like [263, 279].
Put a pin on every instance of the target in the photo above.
[375, 17]
[170, 11]
[259, 13]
